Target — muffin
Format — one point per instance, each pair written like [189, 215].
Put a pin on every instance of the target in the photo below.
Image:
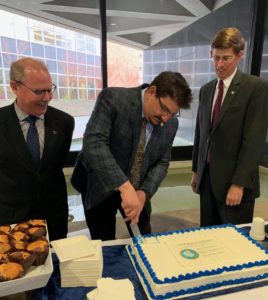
[3, 258]
[40, 248]
[19, 240]
[24, 258]
[4, 238]
[18, 245]
[5, 229]
[37, 222]
[5, 248]
[36, 233]
[23, 227]
[10, 270]
[19, 236]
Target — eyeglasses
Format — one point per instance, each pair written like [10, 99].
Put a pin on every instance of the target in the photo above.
[165, 110]
[224, 59]
[40, 92]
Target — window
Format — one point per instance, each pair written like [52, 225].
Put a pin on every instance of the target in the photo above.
[73, 60]
[133, 57]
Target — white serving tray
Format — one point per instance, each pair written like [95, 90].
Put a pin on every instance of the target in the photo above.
[35, 277]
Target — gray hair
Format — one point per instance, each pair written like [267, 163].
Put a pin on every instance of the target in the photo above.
[18, 68]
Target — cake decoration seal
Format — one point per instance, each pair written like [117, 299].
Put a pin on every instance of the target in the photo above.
[189, 253]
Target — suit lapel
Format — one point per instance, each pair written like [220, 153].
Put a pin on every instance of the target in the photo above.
[230, 95]
[15, 136]
[155, 138]
[210, 97]
[51, 136]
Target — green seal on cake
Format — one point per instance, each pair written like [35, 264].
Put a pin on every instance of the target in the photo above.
[189, 254]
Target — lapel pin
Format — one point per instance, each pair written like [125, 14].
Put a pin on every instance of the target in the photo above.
[232, 92]
[54, 131]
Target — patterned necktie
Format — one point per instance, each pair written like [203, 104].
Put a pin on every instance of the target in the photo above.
[32, 139]
[217, 106]
[135, 173]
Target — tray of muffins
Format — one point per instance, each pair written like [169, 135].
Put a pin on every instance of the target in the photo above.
[25, 257]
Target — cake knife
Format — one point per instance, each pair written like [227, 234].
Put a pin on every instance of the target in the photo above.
[135, 229]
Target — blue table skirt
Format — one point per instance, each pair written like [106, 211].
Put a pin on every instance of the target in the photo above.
[117, 265]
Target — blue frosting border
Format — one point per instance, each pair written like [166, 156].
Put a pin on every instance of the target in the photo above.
[136, 241]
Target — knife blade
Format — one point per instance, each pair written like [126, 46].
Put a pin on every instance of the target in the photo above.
[135, 229]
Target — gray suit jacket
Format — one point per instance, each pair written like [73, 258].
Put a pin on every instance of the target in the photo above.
[237, 140]
[110, 143]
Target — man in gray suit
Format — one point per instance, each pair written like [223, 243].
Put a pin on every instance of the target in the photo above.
[109, 146]
[34, 186]
[227, 148]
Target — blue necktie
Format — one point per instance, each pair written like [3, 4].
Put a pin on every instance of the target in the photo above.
[32, 139]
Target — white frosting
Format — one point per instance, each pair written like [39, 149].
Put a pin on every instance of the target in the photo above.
[210, 249]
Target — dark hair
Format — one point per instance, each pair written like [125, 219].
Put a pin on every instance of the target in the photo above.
[229, 37]
[173, 85]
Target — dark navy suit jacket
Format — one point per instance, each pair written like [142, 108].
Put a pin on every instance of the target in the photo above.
[29, 191]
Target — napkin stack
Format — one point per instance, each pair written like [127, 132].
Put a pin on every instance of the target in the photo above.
[81, 260]
[110, 289]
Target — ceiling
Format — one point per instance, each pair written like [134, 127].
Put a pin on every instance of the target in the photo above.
[137, 23]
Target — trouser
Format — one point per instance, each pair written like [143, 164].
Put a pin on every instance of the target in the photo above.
[213, 212]
[101, 219]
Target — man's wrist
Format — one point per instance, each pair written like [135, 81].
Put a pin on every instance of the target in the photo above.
[147, 196]
[125, 186]
[238, 186]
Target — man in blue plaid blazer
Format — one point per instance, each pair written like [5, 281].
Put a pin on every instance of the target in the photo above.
[110, 143]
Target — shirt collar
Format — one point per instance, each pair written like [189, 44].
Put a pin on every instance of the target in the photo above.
[21, 114]
[142, 100]
[227, 81]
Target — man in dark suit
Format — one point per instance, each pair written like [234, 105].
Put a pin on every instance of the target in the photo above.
[229, 141]
[109, 146]
[34, 187]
